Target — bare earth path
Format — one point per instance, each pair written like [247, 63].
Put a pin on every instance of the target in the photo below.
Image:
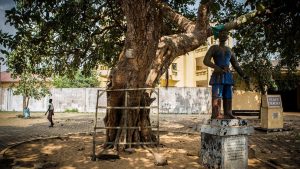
[180, 143]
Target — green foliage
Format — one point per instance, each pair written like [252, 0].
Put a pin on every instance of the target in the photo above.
[185, 7]
[71, 110]
[268, 46]
[275, 48]
[60, 37]
[31, 86]
[223, 11]
[1, 60]
[78, 81]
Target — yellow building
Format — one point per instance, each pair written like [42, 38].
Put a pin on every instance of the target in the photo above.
[189, 71]
[103, 73]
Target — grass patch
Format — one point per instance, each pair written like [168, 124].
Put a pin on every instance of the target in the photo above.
[71, 110]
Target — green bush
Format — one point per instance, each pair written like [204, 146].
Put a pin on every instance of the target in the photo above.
[71, 110]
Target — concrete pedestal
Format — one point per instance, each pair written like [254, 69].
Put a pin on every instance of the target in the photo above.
[224, 144]
[271, 112]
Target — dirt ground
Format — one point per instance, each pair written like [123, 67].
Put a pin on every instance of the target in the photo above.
[266, 150]
[73, 152]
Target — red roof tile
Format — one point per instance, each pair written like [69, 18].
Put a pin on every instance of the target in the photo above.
[6, 77]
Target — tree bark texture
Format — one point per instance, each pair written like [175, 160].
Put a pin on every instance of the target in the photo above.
[141, 40]
[146, 56]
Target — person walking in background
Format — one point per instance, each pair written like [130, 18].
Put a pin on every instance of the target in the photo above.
[50, 112]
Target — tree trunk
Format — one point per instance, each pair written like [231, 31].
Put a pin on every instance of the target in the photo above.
[146, 56]
[27, 101]
[24, 102]
[142, 36]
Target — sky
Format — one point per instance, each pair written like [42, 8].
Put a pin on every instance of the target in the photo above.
[5, 5]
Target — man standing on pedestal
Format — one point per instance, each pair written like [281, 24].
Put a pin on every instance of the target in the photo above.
[221, 78]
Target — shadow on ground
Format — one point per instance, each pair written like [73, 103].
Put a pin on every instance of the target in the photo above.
[181, 151]
[180, 144]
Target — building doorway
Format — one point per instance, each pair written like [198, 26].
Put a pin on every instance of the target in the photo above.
[290, 99]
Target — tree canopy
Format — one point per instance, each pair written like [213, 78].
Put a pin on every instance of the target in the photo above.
[30, 86]
[270, 44]
[60, 37]
[78, 81]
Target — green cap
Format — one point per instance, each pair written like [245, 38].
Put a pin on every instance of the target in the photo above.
[217, 29]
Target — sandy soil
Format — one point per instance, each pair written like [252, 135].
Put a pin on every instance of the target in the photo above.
[11, 119]
[73, 152]
[266, 150]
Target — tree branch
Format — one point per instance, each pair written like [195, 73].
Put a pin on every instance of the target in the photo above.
[202, 22]
[170, 47]
[240, 20]
[180, 20]
[99, 32]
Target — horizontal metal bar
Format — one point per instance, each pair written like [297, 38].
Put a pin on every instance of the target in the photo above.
[131, 89]
[117, 127]
[122, 143]
[133, 143]
[127, 108]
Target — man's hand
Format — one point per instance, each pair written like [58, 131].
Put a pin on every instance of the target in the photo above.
[217, 69]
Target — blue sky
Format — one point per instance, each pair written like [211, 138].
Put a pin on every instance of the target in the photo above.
[5, 5]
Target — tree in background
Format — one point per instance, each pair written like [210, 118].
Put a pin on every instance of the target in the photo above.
[30, 86]
[139, 39]
[78, 81]
[270, 44]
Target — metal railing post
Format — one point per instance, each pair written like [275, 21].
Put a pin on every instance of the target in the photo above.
[126, 127]
[95, 128]
[157, 116]
[125, 116]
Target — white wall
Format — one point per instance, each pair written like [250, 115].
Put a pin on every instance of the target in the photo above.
[193, 100]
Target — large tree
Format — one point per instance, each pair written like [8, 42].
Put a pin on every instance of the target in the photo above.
[139, 39]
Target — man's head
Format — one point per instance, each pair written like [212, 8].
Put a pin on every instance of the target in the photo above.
[50, 100]
[223, 36]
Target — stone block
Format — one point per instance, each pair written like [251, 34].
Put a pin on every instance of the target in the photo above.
[224, 144]
[271, 118]
[271, 112]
